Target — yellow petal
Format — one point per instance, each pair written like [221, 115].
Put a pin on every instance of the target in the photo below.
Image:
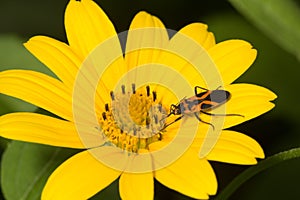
[247, 100]
[233, 147]
[87, 26]
[95, 81]
[146, 36]
[187, 55]
[199, 33]
[37, 128]
[92, 35]
[39, 89]
[80, 177]
[108, 80]
[175, 141]
[233, 58]
[136, 186]
[190, 176]
[57, 56]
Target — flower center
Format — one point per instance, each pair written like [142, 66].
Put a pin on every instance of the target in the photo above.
[134, 119]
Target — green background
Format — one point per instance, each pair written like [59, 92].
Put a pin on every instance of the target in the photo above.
[277, 67]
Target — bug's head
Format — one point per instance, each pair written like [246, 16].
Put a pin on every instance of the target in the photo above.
[175, 110]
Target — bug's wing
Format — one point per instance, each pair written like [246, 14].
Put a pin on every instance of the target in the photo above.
[215, 99]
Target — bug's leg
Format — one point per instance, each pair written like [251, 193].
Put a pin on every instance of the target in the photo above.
[204, 121]
[212, 114]
[198, 87]
[177, 119]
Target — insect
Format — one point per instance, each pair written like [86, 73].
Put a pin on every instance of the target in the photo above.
[200, 103]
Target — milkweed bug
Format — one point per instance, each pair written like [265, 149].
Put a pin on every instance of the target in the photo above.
[200, 103]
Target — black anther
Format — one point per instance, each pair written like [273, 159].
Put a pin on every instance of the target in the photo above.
[112, 95]
[104, 115]
[123, 89]
[133, 88]
[148, 90]
[155, 119]
[106, 107]
[154, 95]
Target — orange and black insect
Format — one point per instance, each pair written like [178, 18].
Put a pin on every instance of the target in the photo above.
[200, 103]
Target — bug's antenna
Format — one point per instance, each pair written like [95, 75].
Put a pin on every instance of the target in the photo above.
[219, 87]
[171, 113]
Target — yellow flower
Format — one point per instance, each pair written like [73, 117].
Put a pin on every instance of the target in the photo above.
[114, 107]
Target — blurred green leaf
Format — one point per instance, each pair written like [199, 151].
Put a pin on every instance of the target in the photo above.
[3, 144]
[10, 104]
[110, 192]
[26, 167]
[14, 56]
[252, 171]
[279, 19]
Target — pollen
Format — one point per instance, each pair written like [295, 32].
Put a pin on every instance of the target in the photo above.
[134, 118]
